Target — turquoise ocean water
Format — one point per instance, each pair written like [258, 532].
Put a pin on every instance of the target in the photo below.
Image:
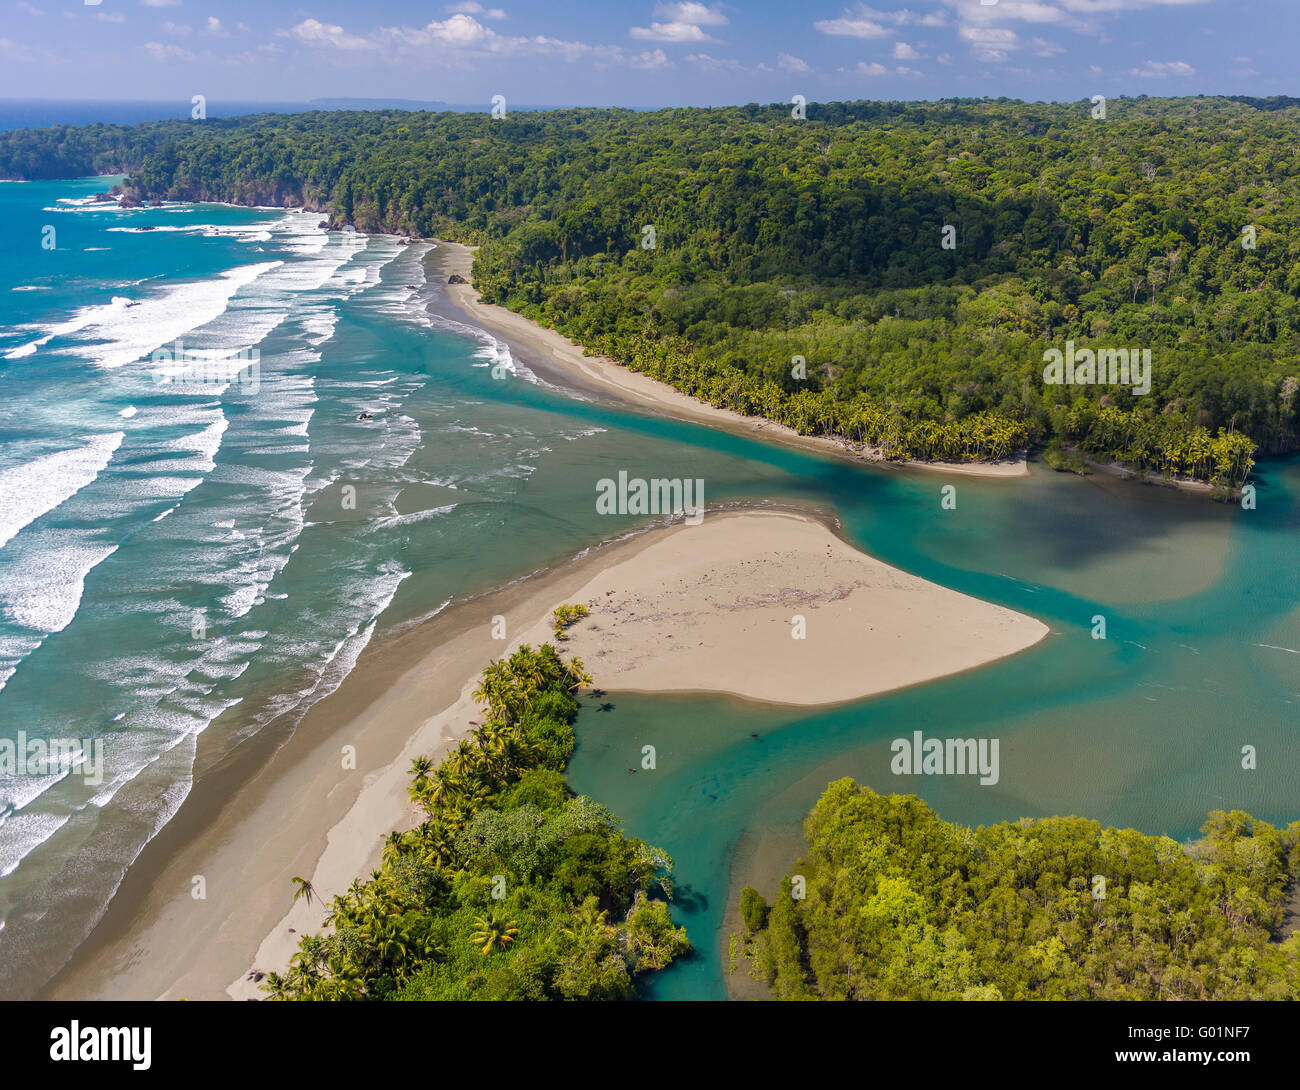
[205, 550]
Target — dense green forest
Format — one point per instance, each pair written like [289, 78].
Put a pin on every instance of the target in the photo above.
[902, 905]
[918, 258]
[510, 887]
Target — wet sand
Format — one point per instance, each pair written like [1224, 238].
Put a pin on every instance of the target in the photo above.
[298, 804]
[562, 357]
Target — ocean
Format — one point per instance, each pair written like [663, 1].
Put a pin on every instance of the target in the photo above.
[236, 450]
[234, 447]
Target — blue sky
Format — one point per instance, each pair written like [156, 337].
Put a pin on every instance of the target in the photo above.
[586, 52]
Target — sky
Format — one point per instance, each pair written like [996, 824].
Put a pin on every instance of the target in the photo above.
[644, 54]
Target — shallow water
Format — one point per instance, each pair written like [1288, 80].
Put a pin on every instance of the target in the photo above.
[1144, 728]
[211, 558]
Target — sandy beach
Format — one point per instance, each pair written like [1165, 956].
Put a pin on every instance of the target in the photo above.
[667, 615]
[702, 607]
[776, 608]
[762, 604]
[612, 379]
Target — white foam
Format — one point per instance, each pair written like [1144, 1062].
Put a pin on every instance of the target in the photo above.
[29, 491]
[43, 589]
[124, 331]
[494, 353]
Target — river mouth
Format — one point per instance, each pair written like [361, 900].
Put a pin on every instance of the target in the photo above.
[490, 480]
[1144, 728]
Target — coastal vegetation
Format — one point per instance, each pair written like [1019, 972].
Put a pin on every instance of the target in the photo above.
[509, 887]
[888, 273]
[899, 904]
[566, 616]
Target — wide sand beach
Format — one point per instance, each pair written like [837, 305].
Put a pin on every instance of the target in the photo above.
[599, 373]
[768, 605]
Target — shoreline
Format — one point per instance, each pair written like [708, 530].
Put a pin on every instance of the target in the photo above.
[264, 818]
[600, 374]
[266, 813]
[652, 558]
[245, 826]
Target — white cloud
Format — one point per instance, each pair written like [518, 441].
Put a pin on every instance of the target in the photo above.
[215, 27]
[1028, 11]
[23, 5]
[473, 8]
[1163, 69]
[873, 69]
[862, 21]
[669, 32]
[110, 17]
[161, 51]
[691, 12]
[14, 51]
[1101, 7]
[176, 28]
[1074, 15]
[461, 35]
[714, 64]
[911, 18]
[990, 43]
[314, 32]
[460, 29]
[650, 58]
[851, 27]
[161, 3]
[903, 70]
[904, 52]
[791, 64]
[680, 22]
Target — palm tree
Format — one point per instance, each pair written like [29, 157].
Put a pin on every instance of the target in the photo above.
[590, 919]
[276, 986]
[419, 773]
[492, 932]
[394, 846]
[496, 690]
[437, 844]
[303, 889]
[577, 677]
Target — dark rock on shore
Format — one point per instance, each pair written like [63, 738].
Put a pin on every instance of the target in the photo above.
[456, 278]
